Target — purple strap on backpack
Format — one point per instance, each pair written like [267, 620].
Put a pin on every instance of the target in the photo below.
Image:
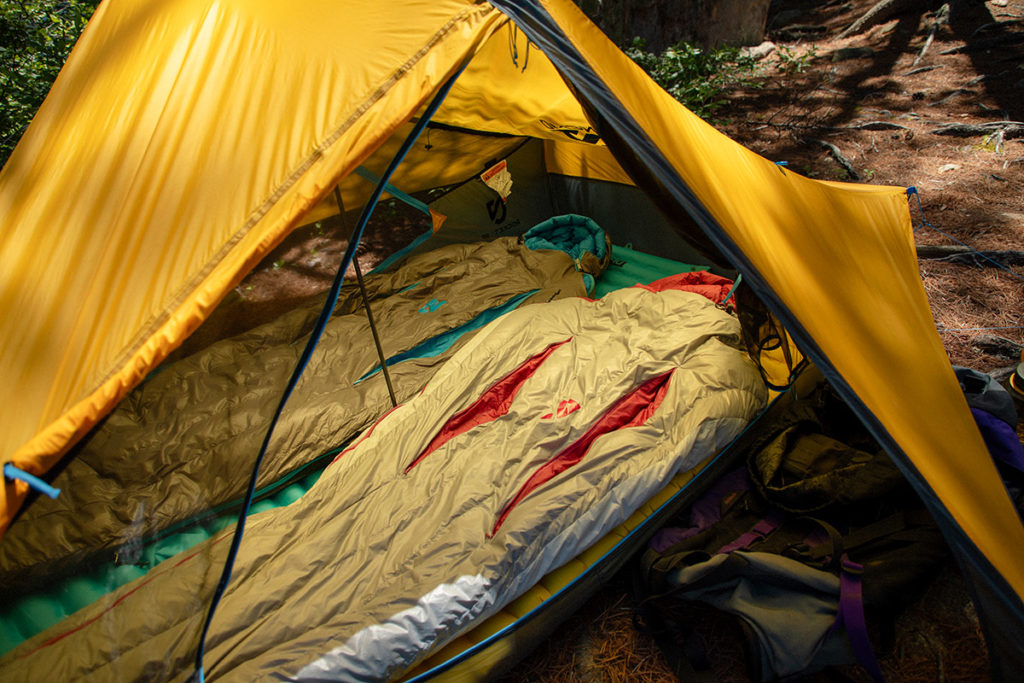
[760, 531]
[1000, 438]
[707, 510]
[851, 617]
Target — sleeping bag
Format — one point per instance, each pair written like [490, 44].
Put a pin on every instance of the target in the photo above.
[182, 442]
[537, 437]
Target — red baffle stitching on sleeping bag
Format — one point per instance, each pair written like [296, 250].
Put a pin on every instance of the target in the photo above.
[367, 433]
[491, 405]
[632, 410]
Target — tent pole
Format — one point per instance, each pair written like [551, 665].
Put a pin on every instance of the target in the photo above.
[366, 305]
[199, 673]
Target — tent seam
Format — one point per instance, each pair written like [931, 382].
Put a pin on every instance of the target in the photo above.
[160, 318]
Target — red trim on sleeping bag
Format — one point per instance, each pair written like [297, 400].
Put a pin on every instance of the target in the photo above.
[701, 282]
[632, 410]
[367, 433]
[492, 404]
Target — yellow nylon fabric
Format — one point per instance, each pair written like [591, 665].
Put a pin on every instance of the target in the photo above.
[207, 129]
[509, 88]
[595, 162]
[440, 157]
[841, 258]
[512, 87]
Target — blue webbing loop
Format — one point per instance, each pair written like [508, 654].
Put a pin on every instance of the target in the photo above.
[732, 290]
[12, 472]
[912, 191]
[401, 253]
[314, 338]
[367, 174]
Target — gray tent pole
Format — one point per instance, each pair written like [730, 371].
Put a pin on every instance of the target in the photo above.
[366, 305]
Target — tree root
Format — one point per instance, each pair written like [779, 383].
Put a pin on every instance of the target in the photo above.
[1009, 129]
[878, 125]
[956, 253]
[921, 70]
[878, 14]
[838, 156]
[1002, 374]
[941, 19]
[994, 345]
[950, 96]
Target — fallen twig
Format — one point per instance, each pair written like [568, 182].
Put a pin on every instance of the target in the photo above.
[941, 19]
[868, 125]
[993, 24]
[921, 70]
[838, 156]
[1001, 374]
[985, 77]
[997, 346]
[947, 98]
[876, 15]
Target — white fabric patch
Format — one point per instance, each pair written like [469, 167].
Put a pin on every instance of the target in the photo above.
[380, 650]
[498, 179]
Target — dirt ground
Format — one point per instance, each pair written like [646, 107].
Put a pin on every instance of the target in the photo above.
[888, 100]
[930, 99]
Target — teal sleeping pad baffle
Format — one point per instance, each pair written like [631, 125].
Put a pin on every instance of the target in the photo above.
[28, 615]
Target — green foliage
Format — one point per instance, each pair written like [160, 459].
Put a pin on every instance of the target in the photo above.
[35, 39]
[789, 62]
[696, 77]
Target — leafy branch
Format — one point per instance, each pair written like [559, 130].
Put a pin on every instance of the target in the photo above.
[35, 39]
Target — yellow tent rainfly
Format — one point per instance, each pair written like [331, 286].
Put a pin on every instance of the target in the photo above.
[544, 425]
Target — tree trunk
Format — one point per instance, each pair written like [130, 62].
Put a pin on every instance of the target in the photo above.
[662, 23]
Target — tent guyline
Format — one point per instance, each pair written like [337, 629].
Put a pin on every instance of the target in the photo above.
[314, 337]
[912, 191]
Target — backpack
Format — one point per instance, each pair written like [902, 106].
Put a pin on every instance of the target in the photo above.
[996, 416]
[813, 545]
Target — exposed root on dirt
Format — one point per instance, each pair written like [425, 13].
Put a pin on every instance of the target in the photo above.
[1007, 130]
[838, 156]
[956, 253]
[878, 14]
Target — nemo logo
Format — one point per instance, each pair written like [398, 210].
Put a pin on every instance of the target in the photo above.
[564, 408]
[432, 306]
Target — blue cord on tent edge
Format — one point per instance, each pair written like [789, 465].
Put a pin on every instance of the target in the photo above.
[314, 337]
[912, 192]
[12, 473]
